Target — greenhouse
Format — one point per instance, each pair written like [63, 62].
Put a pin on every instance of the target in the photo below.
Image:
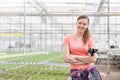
[32, 34]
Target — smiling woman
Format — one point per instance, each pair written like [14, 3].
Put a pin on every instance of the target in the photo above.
[76, 52]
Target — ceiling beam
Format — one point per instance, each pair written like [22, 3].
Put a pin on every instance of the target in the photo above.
[100, 5]
[41, 5]
[59, 14]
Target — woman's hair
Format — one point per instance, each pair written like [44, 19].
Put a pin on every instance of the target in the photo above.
[86, 34]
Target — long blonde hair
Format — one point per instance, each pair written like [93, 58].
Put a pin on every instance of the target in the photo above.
[86, 34]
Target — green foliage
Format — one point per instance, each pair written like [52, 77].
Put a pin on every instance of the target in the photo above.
[31, 58]
[60, 59]
[4, 67]
[33, 72]
[36, 72]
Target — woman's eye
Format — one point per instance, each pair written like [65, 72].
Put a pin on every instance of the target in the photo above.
[84, 24]
[80, 23]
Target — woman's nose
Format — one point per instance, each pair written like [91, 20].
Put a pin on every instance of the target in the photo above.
[81, 25]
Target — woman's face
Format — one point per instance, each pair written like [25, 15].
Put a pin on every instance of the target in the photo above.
[82, 25]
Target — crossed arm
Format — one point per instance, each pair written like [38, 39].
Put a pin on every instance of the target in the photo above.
[75, 59]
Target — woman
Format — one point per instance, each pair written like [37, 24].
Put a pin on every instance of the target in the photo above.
[76, 52]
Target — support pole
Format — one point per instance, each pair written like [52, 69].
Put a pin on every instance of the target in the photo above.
[24, 27]
[108, 28]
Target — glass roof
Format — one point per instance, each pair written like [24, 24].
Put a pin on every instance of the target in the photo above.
[71, 5]
[54, 7]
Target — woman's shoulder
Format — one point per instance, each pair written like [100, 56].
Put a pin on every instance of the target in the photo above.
[67, 38]
[69, 35]
[91, 38]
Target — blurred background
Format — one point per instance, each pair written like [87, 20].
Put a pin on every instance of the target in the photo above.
[32, 32]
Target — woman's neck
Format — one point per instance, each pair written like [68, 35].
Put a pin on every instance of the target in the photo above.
[79, 34]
